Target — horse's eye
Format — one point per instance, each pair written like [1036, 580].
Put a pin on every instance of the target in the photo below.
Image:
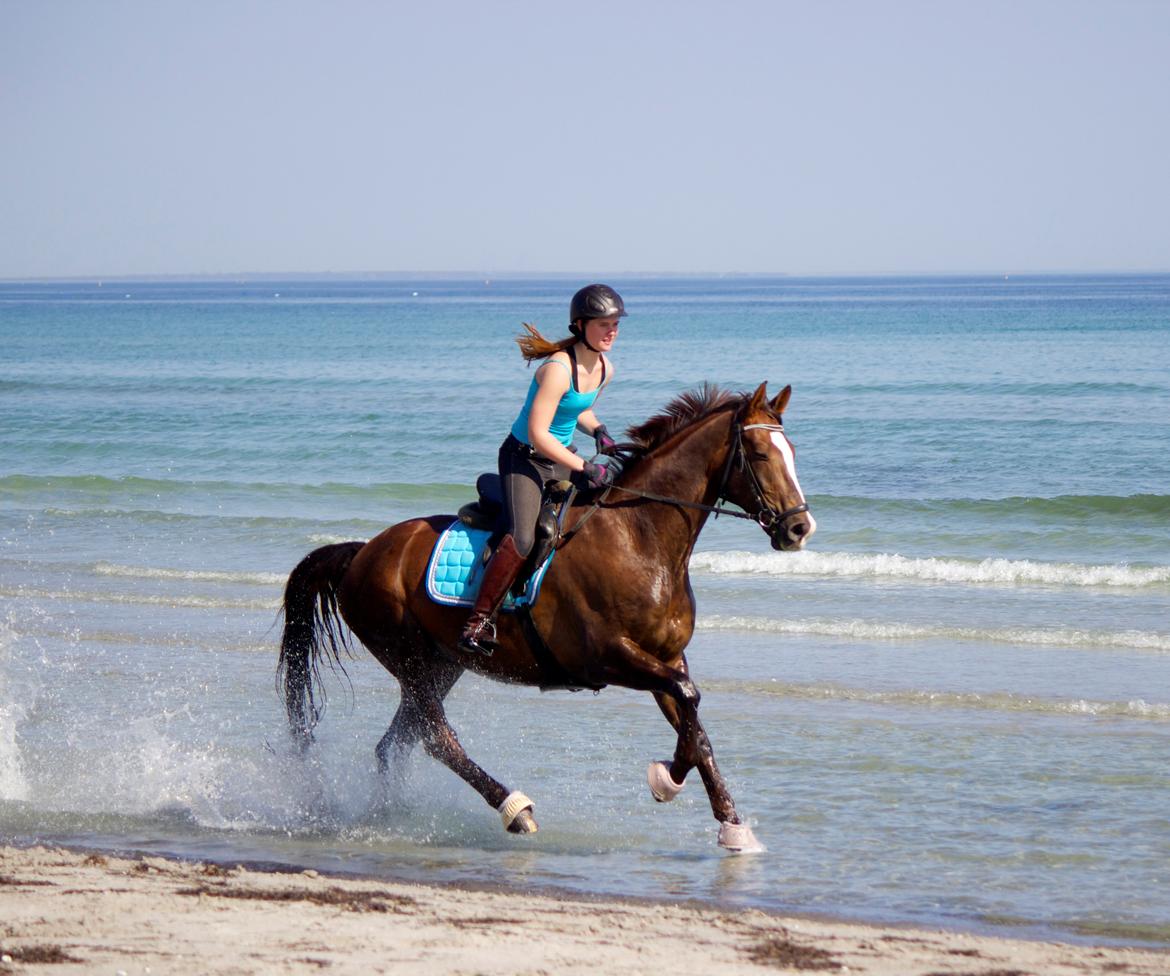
[757, 456]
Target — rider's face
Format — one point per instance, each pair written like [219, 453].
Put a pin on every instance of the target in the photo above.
[601, 333]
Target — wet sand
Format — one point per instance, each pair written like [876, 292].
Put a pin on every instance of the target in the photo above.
[65, 912]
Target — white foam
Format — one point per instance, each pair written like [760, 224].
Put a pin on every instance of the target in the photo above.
[866, 630]
[199, 575]
[143, 599]
[927, 569]
[980, 701]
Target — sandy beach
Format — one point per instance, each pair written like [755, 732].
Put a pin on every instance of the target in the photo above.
[65, 912]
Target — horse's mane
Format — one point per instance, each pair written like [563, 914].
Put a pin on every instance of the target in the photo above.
[684, 410]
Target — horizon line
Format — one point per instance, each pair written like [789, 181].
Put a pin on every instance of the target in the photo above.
[471, 274]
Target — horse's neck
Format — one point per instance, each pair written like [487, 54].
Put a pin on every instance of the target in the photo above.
[688, 469]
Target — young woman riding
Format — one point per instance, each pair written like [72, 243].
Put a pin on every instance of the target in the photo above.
[560, 401]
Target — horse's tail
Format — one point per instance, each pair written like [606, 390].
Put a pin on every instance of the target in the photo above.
[313, 630]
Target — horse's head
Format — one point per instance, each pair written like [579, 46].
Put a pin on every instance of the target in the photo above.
[761, 473]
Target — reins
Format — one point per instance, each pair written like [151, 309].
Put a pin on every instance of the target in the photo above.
[650, 496]
[766, 517]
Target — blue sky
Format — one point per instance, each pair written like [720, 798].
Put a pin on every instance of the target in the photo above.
[219, 137]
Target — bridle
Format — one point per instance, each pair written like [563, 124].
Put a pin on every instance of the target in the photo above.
[766, 516]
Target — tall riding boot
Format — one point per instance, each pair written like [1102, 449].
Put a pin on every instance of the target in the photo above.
[479, 633]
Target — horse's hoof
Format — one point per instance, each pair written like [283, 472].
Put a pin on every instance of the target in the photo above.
[739, 839]
[516, 812]
[662, 786]
[523, 824]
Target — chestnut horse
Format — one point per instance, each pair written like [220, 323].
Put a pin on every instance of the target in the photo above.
[615, 607]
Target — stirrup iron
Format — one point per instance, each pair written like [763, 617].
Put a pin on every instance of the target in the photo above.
[482, 641]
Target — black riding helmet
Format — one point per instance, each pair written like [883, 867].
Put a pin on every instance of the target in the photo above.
[595, 302]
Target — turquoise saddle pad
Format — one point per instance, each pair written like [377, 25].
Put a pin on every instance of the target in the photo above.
[456, 569]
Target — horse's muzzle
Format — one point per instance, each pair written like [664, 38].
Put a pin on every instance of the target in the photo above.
[792, 531]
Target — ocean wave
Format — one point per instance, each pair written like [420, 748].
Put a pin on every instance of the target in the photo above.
[1007, 572]
[95, 489]
[190, 642]
[996, 702]
[203, 576]
[92, 488]
[144, 599]
[1063, 508]
[868, 630]
[1056, 510]
[983, 387]
[237, 525]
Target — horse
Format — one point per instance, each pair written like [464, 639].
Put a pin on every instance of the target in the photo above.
[615, 608]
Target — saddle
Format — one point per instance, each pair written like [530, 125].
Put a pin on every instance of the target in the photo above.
[487, 512]
[462, 551]
[464, 548]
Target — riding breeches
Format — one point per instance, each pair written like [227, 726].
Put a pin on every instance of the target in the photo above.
[523, 473]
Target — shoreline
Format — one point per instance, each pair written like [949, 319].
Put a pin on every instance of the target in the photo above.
[67, 911]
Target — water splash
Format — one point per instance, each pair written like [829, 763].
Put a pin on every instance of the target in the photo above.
[13, 710]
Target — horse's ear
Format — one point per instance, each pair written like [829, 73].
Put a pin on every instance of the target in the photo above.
[781, 401]
[759, 398]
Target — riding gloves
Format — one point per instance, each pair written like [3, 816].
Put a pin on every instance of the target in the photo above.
[600, 475]
[605, 443]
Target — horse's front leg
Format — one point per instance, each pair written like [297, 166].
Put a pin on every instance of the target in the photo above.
[678, 697]
[667, 778]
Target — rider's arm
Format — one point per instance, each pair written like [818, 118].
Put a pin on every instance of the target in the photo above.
[552, 382]
[588, 423]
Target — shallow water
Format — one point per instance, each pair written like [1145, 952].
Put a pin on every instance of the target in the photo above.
[954, 708]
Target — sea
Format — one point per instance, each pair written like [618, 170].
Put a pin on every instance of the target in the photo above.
[952, 709]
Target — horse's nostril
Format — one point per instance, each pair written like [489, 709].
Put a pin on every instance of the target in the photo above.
[799, 529]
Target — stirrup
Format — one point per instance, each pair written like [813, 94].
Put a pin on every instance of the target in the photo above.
[482, 640]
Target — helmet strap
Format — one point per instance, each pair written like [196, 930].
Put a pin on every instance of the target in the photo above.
[579, 332]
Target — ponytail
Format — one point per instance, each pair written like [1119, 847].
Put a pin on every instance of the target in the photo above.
[535, 346]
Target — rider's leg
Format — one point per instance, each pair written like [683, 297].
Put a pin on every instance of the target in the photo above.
[479, 633]
[523, 483]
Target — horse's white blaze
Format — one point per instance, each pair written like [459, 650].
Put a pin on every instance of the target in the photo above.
[785, 450]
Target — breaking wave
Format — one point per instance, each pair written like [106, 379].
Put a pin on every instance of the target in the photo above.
[999, 702]
[142, 599]
[877, 630]
[197, 575]
[1005, 572]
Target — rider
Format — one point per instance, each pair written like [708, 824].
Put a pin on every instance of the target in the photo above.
[560, 400]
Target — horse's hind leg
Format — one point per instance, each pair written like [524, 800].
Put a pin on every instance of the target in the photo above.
[440, 741]
[394, 747]
[408, 724]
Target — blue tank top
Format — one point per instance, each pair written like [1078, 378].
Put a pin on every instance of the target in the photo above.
[571, 406]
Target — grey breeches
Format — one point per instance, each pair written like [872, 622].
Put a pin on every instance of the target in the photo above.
[522, 475]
